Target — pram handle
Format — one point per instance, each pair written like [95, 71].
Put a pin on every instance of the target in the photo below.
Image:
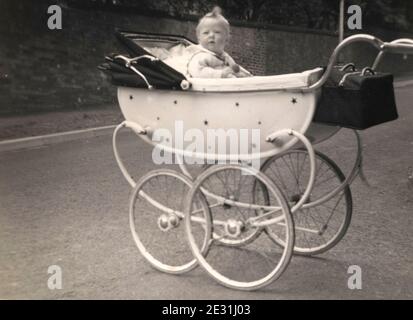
[128, 64]
[401, 46]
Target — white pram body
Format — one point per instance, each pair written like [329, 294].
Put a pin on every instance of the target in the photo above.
[228, 104]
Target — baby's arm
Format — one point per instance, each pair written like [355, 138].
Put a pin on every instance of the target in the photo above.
[199, 67]
[238, 71]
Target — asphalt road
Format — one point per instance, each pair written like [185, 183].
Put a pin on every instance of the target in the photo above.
[67, 205]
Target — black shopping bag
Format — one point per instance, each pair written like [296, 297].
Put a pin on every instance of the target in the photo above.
[356, 99]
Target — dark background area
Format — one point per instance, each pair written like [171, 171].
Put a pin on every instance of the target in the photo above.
[45, 70]
[312, 14]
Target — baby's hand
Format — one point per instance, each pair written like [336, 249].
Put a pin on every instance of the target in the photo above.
[243, 74]
[227, 72]
[235, 68]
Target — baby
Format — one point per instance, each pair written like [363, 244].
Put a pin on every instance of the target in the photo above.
[210, 60]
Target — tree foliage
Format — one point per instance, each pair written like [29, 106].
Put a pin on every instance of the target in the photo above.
[314, 14]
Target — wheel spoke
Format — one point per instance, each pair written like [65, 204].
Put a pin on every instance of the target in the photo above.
[301, 168]
[291, 171]
[288, 191]
[327, 177]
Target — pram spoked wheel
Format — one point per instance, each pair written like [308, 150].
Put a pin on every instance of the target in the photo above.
[156, 221]
[193, 171]
[234, 215]
[324, 219]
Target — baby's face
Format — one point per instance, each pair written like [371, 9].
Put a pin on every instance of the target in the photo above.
[213, 36]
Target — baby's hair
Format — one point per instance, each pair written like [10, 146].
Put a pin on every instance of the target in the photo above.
[216, 13]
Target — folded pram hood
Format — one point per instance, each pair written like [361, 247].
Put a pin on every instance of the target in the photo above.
[157, 73]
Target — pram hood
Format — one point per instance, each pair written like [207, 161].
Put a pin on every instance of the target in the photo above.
[158, 73]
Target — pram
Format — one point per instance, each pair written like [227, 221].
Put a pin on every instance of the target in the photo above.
[297, 202]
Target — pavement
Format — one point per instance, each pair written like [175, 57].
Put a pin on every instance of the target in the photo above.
[43, 140]
[66, 204]
[403, 81]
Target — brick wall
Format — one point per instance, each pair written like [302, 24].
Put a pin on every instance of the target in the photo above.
[247, 46]
[50, 70]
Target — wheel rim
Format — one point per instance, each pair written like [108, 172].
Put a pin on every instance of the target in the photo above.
[318, 228]
[158, 232]
[256, 264]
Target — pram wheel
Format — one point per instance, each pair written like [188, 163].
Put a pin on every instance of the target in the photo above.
[193, 171]
[155, 217]
[320, 227]
[236, 216]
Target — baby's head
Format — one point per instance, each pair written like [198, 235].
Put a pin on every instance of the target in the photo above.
[213, 31]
